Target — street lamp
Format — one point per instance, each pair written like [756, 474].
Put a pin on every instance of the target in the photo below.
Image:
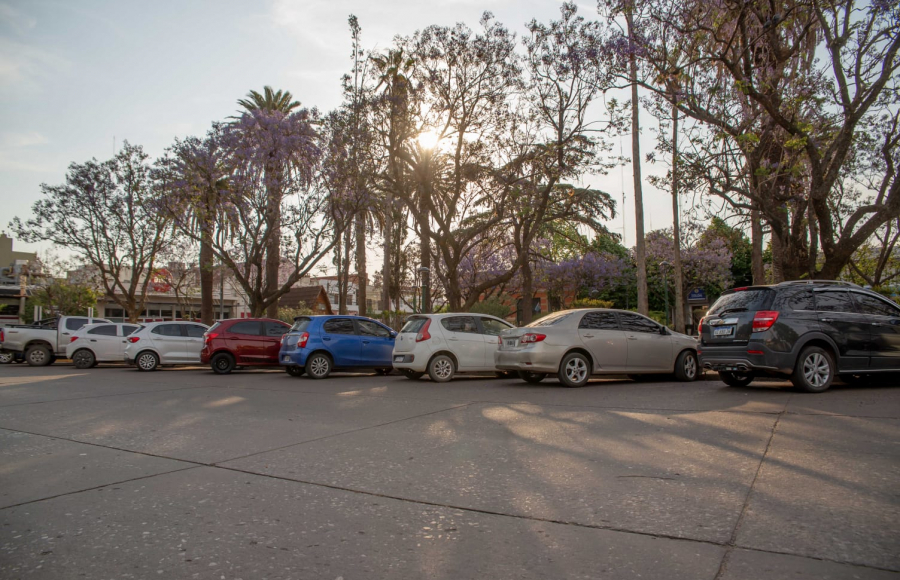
[662, 267]
[424, 272]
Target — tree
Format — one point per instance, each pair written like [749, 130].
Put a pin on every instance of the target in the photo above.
[272, 104]
[61, 297]
[106, 213]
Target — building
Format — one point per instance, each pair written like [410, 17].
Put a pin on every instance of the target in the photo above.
[313, 297]
[15, 284]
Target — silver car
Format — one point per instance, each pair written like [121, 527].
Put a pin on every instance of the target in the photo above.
[575, 344]
[165, 343]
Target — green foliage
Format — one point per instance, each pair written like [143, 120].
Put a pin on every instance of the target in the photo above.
[657, 315]
[63, 298]
[739, 245]
[592, 303]
[288, 314]
[494, 306]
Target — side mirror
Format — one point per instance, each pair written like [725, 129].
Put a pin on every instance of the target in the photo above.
[663, 330]
[393, 334]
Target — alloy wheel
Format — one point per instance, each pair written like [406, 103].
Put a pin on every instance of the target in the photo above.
[443, 368]
[576, 370]
[690, 367]
[816, 370]
[318, 367]
[147, 361]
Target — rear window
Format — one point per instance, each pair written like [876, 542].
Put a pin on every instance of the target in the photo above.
[300, 324]
[551, 319]
[743, 301]
[414, 324]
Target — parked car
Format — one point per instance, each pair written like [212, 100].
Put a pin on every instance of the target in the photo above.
[443, 345]
[8, 356]
[165, 343]
[42, 342]
[242, 342]
[575, 344]
[318, 345]
[805, 331]
[96, 343]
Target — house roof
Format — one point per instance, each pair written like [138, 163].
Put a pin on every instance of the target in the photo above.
[305, 295]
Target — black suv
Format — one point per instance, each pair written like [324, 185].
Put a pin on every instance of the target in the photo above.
[807, 331]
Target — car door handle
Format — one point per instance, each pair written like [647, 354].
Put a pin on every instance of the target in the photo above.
[826, 320]
[365, 342]
[326, 338]
[877, 324]
[632, 338]
[93, 340]
[588, 335]
[451, 338]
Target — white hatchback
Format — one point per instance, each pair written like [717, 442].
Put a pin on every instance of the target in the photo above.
[96, 343]
[446, 344]
[165, 343]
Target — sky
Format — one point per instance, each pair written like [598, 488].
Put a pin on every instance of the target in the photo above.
[79, 77]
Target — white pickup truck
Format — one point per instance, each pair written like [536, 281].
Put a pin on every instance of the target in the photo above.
[42, 342]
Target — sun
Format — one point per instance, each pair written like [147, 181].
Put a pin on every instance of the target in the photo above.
[428, 139]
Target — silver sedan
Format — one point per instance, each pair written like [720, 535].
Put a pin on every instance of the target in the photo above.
[575, 344]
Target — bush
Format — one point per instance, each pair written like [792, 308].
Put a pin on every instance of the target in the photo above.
[591, 303]
[288, 314]
[493, 306]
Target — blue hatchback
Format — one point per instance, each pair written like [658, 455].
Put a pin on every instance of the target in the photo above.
[317, 345]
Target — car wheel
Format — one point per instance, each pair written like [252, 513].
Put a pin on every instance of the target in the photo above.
[83, 359]
[533, 378]
[222, 363]
[412, 375]
[441, 368]
[318, 366]
[814, 371]
[38, 355]
[294, 370]
[6, 357]
[733, 379]
[147, 361]
[574, 370]
[686, 367]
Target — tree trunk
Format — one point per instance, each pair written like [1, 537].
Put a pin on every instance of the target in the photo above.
[756, 248]
[273, 246]
[527, 292]
[813, 241]
[777, 258]
[640, 250]
[207, 316]
[426, 263]
[386, 265]
[361, 262]
[676, 218]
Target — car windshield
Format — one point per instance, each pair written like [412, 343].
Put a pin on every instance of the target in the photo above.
[743, 301]
[300, 324]
[551, 319]
[414, 324]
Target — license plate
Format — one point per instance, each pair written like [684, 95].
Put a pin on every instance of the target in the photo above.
[398, 359]
[724, 331]
[287, 359]
[510, 343]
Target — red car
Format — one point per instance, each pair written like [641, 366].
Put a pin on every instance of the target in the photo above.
[242, 342]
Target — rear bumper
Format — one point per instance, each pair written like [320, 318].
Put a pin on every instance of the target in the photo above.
[295, 357]
[409, 361]
[527, 359]
[752, 357]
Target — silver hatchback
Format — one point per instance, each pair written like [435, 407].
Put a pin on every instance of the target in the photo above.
[575, 344]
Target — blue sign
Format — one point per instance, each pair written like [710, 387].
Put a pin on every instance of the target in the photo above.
[697, 295]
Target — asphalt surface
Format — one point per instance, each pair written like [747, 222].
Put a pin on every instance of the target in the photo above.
[113, 473]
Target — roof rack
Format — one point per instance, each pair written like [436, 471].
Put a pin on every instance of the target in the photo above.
[823, 282]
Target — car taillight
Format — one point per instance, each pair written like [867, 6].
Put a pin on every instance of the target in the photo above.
[423, 334]
[1, 335]
[303, 339]
[73, 339]
[764, 319]
[700, 327]
[530, 337]
[133, 339]
[208, 336]
[499, 340]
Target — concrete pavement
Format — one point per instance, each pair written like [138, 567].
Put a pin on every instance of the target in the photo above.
[112, 473]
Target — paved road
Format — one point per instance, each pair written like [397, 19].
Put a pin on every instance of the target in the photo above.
[112, 473]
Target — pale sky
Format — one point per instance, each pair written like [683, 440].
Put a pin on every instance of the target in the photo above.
[77, 76]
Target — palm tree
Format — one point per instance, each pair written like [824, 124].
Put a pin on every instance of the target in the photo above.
[269, 101]
[393, 71]
[272, 101]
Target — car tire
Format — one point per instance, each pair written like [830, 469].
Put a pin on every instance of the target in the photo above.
[38, 355]
[736, 379]
[294, 370]
[814, 371]
[318, 366]
[441, 368]
[84, 359]
[383, 372]
[574, 370]
[6, 357]
[222, 363]
[146, 361]
[412, 375]
[687, 369]
[533, 378]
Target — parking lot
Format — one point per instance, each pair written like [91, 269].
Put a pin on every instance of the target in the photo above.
[113, 473]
